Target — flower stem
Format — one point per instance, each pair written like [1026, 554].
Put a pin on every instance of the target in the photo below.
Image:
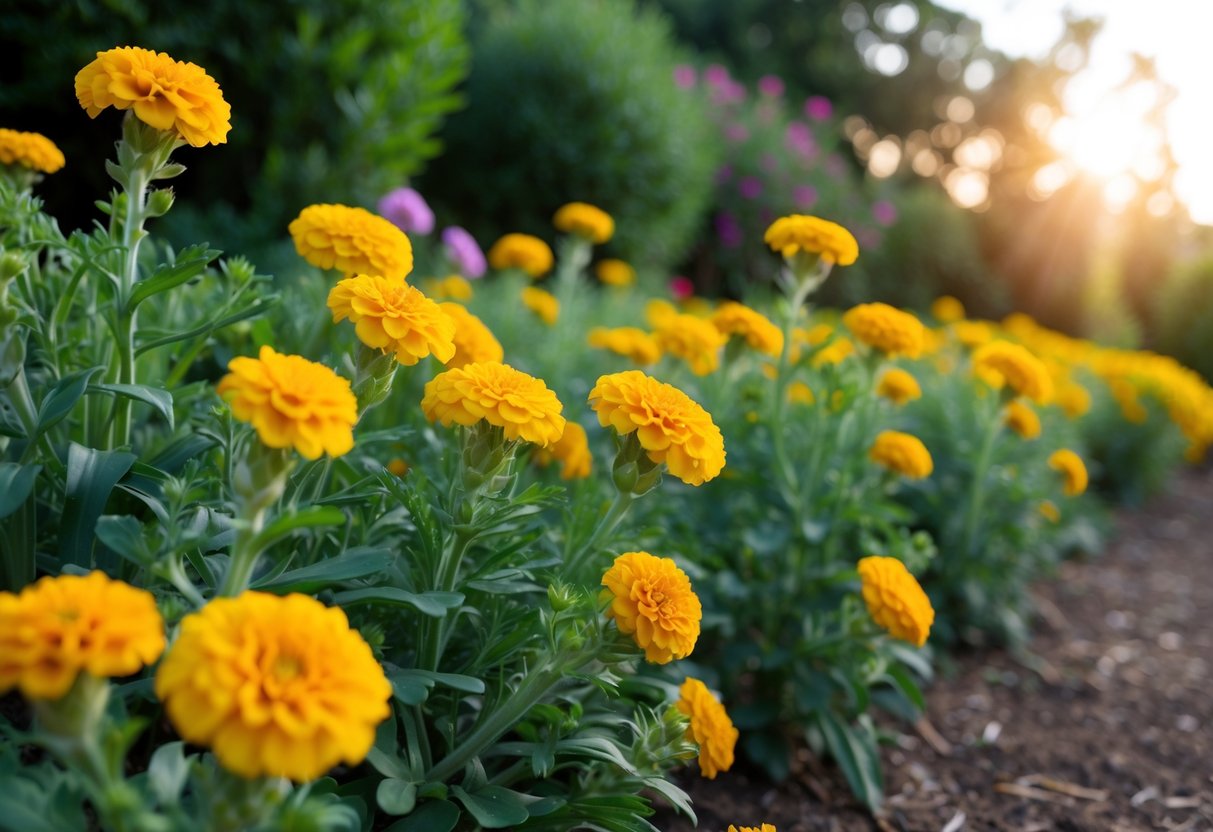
[606, 525]
[977, 496]
[135, 189]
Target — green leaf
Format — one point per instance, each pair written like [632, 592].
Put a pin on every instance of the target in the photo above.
[123, 535]
[396, 797]
[679, 799]
[190, 263]
[434, 816]
[412, 685]
[310, 579]
[16, 483]
[905, 683]
[63, 397]
[855, 752]
[434, 604]
[167, 773]
[494, 807]
[91, 476]
[308, 518]
[161, 400]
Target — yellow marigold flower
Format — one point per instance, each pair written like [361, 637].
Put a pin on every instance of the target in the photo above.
[1049, 511]
[838, 351]
[734, 318]
[902, 453]
[1072, 470]
[352, 241]
[522, 251]
[276, 686]
[800, 392]
[1020, 369]
[710, 727]
[390, 315]
[658, 311]
[496, 393]
[474, 342]
[628, 341]
[816, 335]
[973, 333]
[166, 94]
[895, 599]
[30, 150]
[572, 451]
[586, 221]
[292, 402]
[795, 233]
[947, 309]
[56, 628]
[889, 330]
[397, 467]
[651, 600]
[692, 339]
[451, 287]
[670, 426]
[543, 304]
[898, 386]
[1022, 419]
[1073, 399]
[766, 827]
[1125, 394]
[615, 272]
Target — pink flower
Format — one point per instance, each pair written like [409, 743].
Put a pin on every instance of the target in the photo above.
[463, 252]
[682, 288]
[407, 210]
[818, 108]
[716, 75]
[800, 140]
[684, 76]
[771, 86]
[728, 230]
[805, 196]
[884, 212]
[750, 187]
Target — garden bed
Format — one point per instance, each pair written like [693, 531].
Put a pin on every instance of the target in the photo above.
[1104, 725]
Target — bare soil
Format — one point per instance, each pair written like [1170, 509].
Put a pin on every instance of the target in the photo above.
[1106, 724]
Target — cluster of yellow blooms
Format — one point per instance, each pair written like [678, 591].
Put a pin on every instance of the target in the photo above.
[902, 453]
[631, 342]
[694, 340]
[766, 827]
[732, 318]
[30, 150]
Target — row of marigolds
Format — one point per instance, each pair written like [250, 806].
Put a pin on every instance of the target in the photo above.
[449, 633]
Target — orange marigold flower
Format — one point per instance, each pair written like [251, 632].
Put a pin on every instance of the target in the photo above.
[1018, 368]
[898, 386]
[352, 241]
[947, 309]
[166, 94]
[733, 318]
[692, 339]
[543, 304]
[1072, 470]
[522, 251]
[1022, 419]
[390, 315]
[895, 599]
[902, 453]
[658, 311]
[56, 628]
[670, 426]
[615, 272]
[451, 287]
[766, 827]
[572, 451]
[628, 341]
[474, 342]
[30, 150]
[651, 599]
[586, 221]
[710, 727]
[276, 686]
[292, 402]
[795, 233]
[496, 393]
[889, 330]
[1073, 399]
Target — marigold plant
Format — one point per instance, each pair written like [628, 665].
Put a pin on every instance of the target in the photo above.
[692, 339]
[615, 272]
[352, 241]
[542, 303]
[452, 287]
[651, 599]
[572, 451]
[30, 150]
[895, 599]
[631, 342]
[670, 426]
[585, 220]
[1015, 366]
[1072, 469]
[766, 827]
[61, 626]
[277, 686]
[733, 318]
[292, 403]
[898, 386]
[522, 251]
[886, 329]
[474, 343]
[521, 405]
[710, 727]
[165, 94]
[797, 233]
[390, 315]
[902, 453]
[947, 309]
[1022, 419]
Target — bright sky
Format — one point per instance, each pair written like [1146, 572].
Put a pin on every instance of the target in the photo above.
[1173, 32]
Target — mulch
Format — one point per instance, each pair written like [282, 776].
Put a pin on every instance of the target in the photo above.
[1106, 723]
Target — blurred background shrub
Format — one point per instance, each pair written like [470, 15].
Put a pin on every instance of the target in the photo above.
[1182, 315]
[334, 100]
[576, 100]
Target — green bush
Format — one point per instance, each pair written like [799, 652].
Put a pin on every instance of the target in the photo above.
[576, 101]
[332, 100]
[1181, 318]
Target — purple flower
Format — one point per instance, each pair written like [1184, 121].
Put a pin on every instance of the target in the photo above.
[771, 86]
[463, 252]
[684, 76]
[750, 187]
[805, 196]
[716, 75]
[406, 209]
[884, 212]
[799, 139]
[736, 132]
[818, 108]
[728, 230]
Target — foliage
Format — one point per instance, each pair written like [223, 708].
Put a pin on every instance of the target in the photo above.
[571, 100]
[1181, 313]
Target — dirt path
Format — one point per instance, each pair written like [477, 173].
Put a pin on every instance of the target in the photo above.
[1107, 725]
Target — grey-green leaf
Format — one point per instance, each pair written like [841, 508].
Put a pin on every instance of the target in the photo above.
[396, 797]
[494, 807]
[91, 476]
[161, 400]
[16, 483]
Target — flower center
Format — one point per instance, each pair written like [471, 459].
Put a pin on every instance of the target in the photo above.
[287, 668]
